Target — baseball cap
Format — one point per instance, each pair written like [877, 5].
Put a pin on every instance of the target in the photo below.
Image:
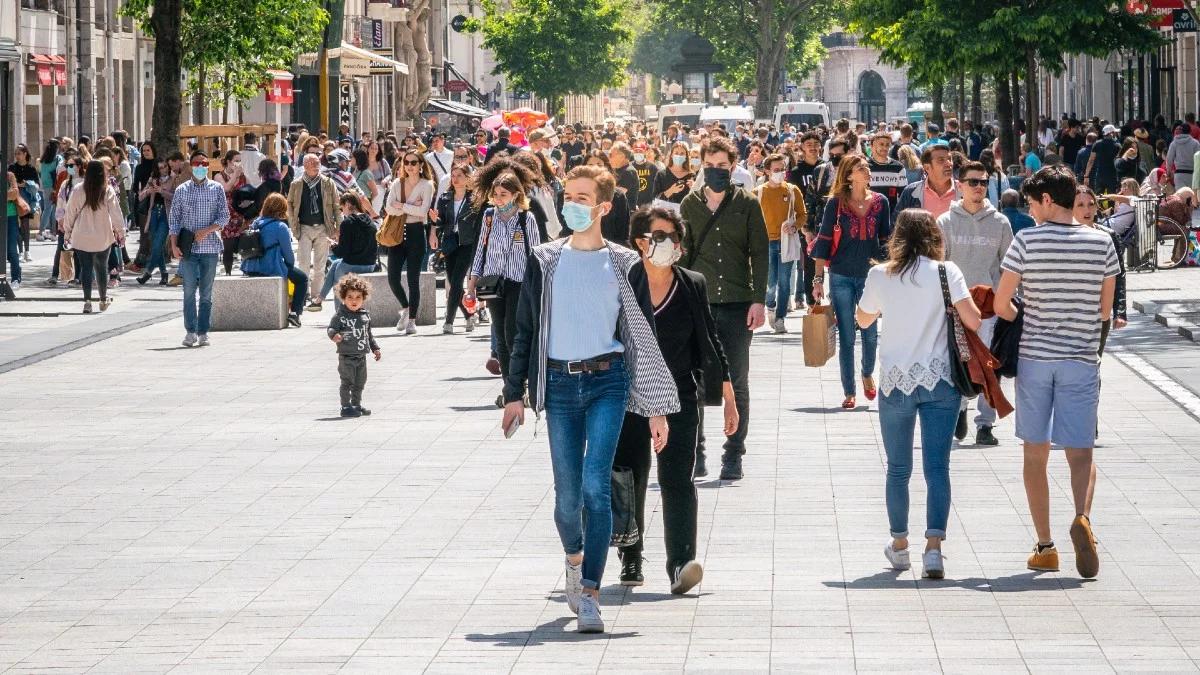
[1109, 129]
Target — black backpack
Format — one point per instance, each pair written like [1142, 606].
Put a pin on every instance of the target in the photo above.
[250, 243]
[244, 199]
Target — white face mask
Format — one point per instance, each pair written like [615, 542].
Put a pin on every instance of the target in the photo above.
[777, 177]
[664, 253]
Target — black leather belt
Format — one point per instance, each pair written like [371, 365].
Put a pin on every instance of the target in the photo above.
[593, 365]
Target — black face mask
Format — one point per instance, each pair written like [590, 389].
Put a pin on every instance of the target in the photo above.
[716, 179]
[835, 159]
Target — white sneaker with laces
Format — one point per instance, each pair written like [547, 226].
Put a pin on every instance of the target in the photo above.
[402, 322]
[934, 565]
[410, 328]
[203, 342]
[470, 323]
[898, 559]
[189, 340]
[574, 586]
[448, 329]
[779, 326]
[589, 620]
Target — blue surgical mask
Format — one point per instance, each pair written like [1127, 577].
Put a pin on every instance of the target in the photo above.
[71, 171]
[578, 216]
[506, 210]
[638, 158]
[678, 160]
[199, 172]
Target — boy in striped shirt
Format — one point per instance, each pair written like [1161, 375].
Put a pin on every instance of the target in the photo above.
[1067, 275]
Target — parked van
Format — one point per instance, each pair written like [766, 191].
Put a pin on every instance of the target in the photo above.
[811, 113]
[729, 115]
[687, 114]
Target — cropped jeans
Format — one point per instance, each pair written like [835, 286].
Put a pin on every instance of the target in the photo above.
[937, 410]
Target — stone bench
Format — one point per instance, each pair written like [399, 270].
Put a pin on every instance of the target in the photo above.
[385, 308]
[249, 303]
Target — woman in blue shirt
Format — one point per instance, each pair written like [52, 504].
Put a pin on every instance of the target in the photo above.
[854, 229]
[277, 259]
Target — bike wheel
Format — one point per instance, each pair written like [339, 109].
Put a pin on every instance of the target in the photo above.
[1171, 244]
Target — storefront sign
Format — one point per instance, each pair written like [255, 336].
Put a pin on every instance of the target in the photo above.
[280, 91]
[455, 86]
[1161, 10]
[345, 105]
[376, 34]
[1182, 21]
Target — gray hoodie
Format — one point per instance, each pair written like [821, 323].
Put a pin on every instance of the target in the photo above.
[976, 243]
[355, 328]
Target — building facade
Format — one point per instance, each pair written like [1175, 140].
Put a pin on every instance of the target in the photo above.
[854, 83]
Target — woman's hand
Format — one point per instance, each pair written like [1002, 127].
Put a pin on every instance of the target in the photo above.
[658, 432]
[731, 413]
[433, 240]
[818, 290]
[433, 215]
[1119, 323]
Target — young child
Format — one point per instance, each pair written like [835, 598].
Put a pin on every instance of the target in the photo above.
[350, 329]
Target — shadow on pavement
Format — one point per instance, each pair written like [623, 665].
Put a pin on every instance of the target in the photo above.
[551, 631]
[480, 378]
[1017, 583]
[833, 409]
[339, 418]
[473, 408]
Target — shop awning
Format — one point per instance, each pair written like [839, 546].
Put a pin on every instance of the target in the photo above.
[40, 59]
[9, 51]
[456, 108]
[348, 52]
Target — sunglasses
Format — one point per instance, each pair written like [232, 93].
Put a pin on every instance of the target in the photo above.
[658, 237]
[975, 182]
[199, 163]
[408, 162]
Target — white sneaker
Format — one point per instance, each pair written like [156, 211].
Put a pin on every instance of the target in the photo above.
[15, 285]
[589, 615]
[770, 317]
[779, 326]
[203, 340]
[934, 565]
[574, 585]
[899, 559]
[27, 258]
[470, 323]
[688, 576]
[189, 340]
[402, 322]
[411, 328]
[448, 329]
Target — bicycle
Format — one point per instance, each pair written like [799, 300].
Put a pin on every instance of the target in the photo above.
[1155, 241]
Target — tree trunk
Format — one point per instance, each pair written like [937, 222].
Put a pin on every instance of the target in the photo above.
[1031, 96]
[962, 96]
[772, 56]
[977, 100]
[225, 98]
[937, 92]
[168, 98]
[1004, 114]
[1015, 91]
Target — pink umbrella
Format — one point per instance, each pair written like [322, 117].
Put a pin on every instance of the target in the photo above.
[492, 123]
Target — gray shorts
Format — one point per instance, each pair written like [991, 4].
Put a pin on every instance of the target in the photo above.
[1057, 402]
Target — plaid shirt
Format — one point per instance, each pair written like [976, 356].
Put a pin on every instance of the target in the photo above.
[197, 206]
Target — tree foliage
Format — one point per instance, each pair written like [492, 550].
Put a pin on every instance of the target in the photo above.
[558, 47]
[656, 50]
[757, 40]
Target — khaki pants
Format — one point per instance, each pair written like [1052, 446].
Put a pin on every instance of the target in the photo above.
[314, 250]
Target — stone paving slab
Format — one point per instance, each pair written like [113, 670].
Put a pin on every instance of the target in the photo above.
[204, 510]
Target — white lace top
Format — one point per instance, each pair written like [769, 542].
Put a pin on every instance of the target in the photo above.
[912, 341]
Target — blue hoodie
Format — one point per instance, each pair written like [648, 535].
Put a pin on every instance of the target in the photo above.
[277, 254]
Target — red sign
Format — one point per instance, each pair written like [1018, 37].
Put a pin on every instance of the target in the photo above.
[280, 91]
[1161, 10]
[45, 76]
[455, 86]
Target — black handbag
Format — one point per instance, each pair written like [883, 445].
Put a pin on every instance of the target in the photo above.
[956, 342]
[184, 241]
[624, 508]
[491, 286]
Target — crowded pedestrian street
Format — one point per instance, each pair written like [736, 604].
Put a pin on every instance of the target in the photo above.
[173, 510]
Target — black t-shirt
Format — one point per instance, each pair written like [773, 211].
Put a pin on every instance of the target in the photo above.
[1069, 146]
[804, 176]
[674, 326]
[572, 148]
[628, 179]
[1104, 152]
[24, 172]
[646, 173]
[665, 179]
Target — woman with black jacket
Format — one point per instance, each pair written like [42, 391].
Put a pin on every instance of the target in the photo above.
[688, 339]
[356, 249]
[271, 183]
[458, 229]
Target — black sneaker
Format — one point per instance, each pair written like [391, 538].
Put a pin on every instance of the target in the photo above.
[960, 429]
[363, 411]
[686, 577]
[631, 571]
[293, 319]
[701, 470]
[985, 437]
[350, 411]
[731, 468]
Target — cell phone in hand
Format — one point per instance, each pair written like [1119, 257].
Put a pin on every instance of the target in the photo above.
[512, 427]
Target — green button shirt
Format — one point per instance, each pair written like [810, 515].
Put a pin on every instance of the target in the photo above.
[734, 257]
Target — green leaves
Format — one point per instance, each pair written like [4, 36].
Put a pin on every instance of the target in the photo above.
[558, 47]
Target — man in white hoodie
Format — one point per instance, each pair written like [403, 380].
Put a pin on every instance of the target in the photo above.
[977, 236]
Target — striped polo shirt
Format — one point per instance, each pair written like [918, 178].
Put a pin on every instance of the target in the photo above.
[1062, 268]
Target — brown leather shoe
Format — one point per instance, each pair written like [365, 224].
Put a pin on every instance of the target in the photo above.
[1043, 561]
[1087, 561]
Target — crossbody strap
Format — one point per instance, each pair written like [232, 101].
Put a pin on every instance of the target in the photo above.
[945, 286]
[712, 221]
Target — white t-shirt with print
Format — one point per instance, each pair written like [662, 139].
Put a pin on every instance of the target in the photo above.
[912, 343]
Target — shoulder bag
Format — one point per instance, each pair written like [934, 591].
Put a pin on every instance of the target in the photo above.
[956, 342]
[491, 286]
[391, 232]
[712, 220]
[791, 246]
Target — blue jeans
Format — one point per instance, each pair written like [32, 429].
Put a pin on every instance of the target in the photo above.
[158, 240]
[845, 293]
[584, 413]
[898, 414]
[13, 252]
[49, 207]
[198, 271]
[779, 281]
[337, 270]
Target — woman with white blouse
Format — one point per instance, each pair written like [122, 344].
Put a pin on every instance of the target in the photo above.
[916, 385]
[411, 194]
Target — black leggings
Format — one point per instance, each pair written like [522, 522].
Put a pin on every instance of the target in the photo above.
[504, 319]
[675, 465]
[228, 254]
[26, 224]
[89, 267]
[409, 252]
[457, 264]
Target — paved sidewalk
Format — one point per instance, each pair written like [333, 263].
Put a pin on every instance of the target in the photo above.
[205, 510]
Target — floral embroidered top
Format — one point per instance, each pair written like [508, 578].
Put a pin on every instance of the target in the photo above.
[237, 224]
[850, 242]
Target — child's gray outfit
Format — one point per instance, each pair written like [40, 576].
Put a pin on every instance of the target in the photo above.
[357, 342]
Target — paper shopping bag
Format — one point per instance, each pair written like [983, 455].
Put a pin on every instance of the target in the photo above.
[819, 335]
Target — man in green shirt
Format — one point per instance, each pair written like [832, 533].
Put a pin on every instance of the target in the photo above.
[726, 241]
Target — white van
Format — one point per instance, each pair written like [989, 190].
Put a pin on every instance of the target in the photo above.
[729, 115]
[811, 113]
[687, 114]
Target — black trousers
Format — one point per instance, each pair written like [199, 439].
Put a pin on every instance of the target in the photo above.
[457, 264]
[408, 253]
[735, 340]
[810, 270]
[675, 464]
[92, 266]
[504, 319]
[228, 254]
